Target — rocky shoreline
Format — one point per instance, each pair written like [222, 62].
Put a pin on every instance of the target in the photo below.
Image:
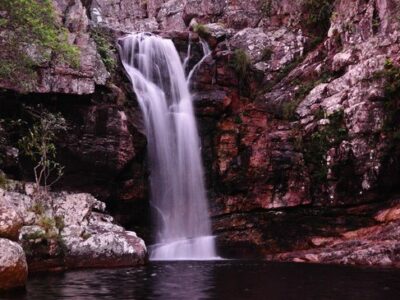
[298, 113]
[59, 231]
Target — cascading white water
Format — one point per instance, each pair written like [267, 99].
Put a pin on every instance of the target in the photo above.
[176, 176]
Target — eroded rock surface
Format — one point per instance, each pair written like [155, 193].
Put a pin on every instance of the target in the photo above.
[62, 230]
[13, 267]
[299, 136]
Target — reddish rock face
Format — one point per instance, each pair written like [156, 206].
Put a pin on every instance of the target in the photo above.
[375, 245]
[288, 144]
[13, 267]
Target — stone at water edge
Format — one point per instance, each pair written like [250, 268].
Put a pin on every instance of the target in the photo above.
[13, 266]
[10, 221]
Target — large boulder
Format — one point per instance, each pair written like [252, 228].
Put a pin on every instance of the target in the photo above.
[64, 230]
[13, 267]
[10, 221]
[108, 249]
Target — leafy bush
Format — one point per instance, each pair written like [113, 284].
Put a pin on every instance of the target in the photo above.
[38, 208]
[105, 48]
[266, 54]
[39, 146]
[201, 29]
[317, 145]
[266, 8]
[46, 223]
[30, 26]
[3, 180]
[318, 15]
[391, 104]
[241, 64]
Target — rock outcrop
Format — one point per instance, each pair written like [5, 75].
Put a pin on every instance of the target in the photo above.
[62, 230]
[377, 245]
[13, 267]
[298, 113]
[55, 76]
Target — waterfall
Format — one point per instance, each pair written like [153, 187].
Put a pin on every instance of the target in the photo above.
[178, 195]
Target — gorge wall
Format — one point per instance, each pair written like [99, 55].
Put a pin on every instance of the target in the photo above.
[298, 111]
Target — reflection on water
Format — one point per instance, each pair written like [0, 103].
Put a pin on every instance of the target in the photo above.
[182, 281]
[217, 280]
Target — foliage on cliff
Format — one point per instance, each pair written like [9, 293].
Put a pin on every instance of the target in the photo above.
[318, 15]
[105, 48]
[38, 145]
[30, 36]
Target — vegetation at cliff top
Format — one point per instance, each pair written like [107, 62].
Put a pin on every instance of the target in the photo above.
[31, 35]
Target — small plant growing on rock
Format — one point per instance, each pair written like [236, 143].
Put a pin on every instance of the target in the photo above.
[266, 8]
[46, 223]
[38, 208]
[241, 64]
[266, 54]
[59, 222]
[39, 146]
[105, 48]
[316, 146]
[319, 13]
[201, 29]
[31, 26]
[3, 180]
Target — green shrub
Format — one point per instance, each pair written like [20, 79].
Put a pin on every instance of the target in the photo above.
[3, 180]
[316, 146]
[59, 222]
[241, 64]
[105, 48]
[266, 54]
[38, 145]
[266, 8]
[38, 208]
[47, 223]
[289, 107]
[31, 24]
[201, 29]
[318, 15]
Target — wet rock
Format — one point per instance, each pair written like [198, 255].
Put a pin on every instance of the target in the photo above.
[377, 245]
[71, 230]
[10, 220]
[111, 249]
[13, 267]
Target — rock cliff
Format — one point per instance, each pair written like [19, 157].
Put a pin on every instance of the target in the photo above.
[297, 109]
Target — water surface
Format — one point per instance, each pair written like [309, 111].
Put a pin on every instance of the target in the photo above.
[218, 280]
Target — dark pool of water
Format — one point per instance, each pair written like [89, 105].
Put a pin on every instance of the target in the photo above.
[217, 280]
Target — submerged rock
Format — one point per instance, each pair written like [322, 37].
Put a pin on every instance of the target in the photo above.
[13, 267]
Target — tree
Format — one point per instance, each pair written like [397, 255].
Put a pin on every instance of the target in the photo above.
[39, 146]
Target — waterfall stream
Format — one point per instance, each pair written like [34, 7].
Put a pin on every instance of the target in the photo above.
[178, 195]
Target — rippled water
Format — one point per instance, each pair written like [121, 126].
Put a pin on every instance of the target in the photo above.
[218, 280]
